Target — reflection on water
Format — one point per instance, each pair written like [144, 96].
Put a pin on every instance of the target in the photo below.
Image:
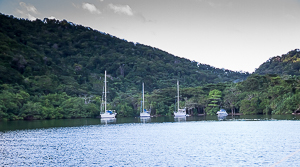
[108, 120]
[145, 119]
[222, 118]
[179, 119]
[38, 124]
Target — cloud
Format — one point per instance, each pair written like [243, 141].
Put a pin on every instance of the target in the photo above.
[52, 18]
[91, 8]
[26, 9]
[121, 9]
[76, 6]
[26, 15]
[30, 17]
[29, 8]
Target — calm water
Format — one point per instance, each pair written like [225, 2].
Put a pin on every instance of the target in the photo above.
[163, 141]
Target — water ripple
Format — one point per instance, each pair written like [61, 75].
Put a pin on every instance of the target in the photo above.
[204, 143]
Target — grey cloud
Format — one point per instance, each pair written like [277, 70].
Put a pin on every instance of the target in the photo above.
[91, 8]
[121, 9]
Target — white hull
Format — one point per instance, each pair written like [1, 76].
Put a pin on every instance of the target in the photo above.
[108, 115]
[144, 114]
[180, 114]
[222, 114]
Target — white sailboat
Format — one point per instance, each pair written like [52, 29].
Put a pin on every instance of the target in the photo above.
[107, 113]
[222, 112]
[179, 112]
[144, 112]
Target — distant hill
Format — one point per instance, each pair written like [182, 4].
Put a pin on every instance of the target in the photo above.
[286, 64]
[49, 56]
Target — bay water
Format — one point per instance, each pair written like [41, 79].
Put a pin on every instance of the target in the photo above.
[159, 141]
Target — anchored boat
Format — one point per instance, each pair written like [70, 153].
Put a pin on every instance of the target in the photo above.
[179, 112]
[107, 113]
[144, 112]
[222, 112]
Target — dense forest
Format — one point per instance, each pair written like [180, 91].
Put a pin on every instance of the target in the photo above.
[54, 69]
[286, 64]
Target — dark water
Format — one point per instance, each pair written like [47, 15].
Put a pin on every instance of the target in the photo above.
[161, 141]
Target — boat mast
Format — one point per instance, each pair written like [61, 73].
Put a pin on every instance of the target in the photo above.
[177, 96]
[101, 106]
[143, 98]
[105, 92]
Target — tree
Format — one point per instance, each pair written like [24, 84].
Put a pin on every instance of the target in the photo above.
[231, 98]
[214, 101]
[251, 105]
[31, 111]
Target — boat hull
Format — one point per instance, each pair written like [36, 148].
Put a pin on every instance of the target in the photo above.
[179, 114]
[144, 114]
[222, 113]
[108, 115]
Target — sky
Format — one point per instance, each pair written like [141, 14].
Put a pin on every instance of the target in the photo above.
[237, 35]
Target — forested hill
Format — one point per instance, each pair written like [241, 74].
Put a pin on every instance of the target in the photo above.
[49, 56]
[287, 64]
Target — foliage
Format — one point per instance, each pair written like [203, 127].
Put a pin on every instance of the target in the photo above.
[53, 56]
[214, 97]
[286, 64]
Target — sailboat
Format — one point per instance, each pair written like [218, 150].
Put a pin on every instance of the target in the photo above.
[107, 113]
[222, 112]
[144, 112]
[179, 112]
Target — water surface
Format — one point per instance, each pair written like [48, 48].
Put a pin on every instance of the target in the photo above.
[164, 141]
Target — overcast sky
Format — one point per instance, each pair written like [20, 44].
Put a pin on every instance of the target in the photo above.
[237, 35]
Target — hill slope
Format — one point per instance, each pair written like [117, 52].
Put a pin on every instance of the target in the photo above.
[286, 64]
[58, 56]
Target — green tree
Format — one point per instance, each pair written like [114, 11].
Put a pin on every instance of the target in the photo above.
[31, 111]
[214, 101]
[231, 98]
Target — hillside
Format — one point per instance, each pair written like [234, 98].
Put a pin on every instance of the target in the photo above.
[286, 64]
[54, 56]
[47, 68]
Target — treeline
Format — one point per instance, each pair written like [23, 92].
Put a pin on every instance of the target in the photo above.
[268, 94]
[258, 94]
[16, 104]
